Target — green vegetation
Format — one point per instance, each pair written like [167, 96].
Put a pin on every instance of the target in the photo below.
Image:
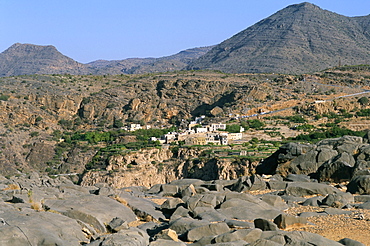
[364, 101]
[333, 132]
[4, 97]
[234, 128]
[254, 124]
[296, 119]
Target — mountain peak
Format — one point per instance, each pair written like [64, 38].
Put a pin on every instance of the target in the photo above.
[21, 59]
[300, 38]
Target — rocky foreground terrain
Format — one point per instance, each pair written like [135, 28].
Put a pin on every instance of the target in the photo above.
[250, 210]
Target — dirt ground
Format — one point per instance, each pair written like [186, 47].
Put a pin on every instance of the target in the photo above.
[355, 226]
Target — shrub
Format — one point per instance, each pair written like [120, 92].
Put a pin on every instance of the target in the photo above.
[34, 134]
[364, 101]
[297, 119]
[4, 97]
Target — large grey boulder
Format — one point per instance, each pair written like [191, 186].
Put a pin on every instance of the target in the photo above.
[130, 237]
[337, 169]
[247, 235]
[359, 185]
[301, 189]
[143, 208]
[285, 221]
[283, 155]
[338, 200]
[350, 242]
[246, 183]
[307, 238]
[275, 201]
[91, 209]
[183, 224]
[265, 225]
[236, 208]
[39, 228]
[207, 230]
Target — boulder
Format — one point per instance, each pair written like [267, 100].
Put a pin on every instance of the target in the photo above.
[182, 225]
[167, 234]
[211, 215]
[130, 237]
[236, 208]
[337, 169]
[297, 178]
[245, 183]
[144, 209]
[285, 221]
[350, 242]
[247, 235]
[265, 225]
[275, 201]
[362, 198]
[313, 201]
[91, 209]
[301, 189]
[359, 185]
[239, 224]
[365, 205]
[117, 224]
[169, 190]
[283, 155]
[171, 204]
[336, 211]
[207, 230]
[307, 238]
[39, 228]
[179, 212]
[338, 200]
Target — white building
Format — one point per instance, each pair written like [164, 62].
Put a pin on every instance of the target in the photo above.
[134, 127]
[219, 126]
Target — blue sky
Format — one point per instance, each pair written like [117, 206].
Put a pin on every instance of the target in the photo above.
[88, 30]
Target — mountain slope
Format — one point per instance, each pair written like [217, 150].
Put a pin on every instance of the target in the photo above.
[149, 65]
[22, 59]
[298, 39]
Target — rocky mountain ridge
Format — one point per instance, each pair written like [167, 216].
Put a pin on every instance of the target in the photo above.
[300, 38]
[22, 59]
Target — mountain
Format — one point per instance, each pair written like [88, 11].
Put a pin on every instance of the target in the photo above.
[298, 39]
[150, 65]
[22, 59]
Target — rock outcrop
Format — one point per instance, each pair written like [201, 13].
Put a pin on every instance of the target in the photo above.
[182, 212]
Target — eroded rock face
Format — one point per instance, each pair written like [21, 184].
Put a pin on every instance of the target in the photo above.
[332, 160]
[148, 167]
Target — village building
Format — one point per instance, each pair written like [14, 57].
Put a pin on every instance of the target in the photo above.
[134, 127]
[218, 126]
[216, 138]
[195, 140]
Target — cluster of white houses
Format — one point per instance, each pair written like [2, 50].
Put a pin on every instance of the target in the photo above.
[201, 135]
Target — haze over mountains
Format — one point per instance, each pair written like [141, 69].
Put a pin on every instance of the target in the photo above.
[300, 38]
